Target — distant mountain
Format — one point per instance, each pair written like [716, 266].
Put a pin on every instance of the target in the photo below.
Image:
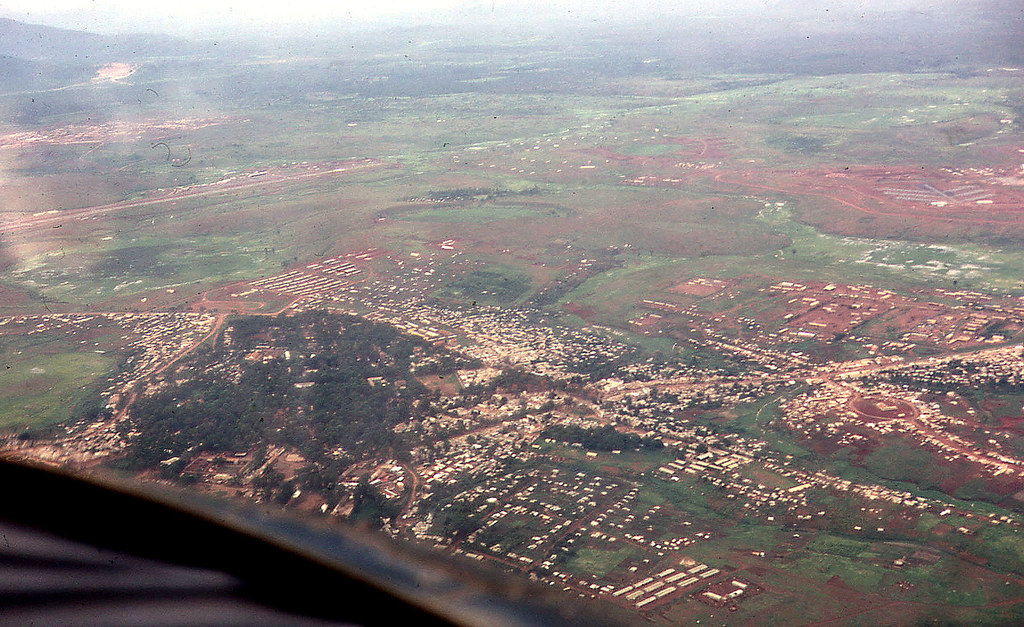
[42, 57]
[46, 43]
[35, 57]
[25, 74]
[70, 47]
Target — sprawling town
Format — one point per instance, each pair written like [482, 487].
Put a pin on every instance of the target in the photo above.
[567, 455]
[684, 314]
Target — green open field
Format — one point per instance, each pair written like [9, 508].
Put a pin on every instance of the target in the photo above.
[498, 284]
[113, 270]
[588, 561]
[542, 142]
[489, 212]
[43, 383]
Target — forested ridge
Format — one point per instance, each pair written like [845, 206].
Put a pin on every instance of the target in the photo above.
[315, 381]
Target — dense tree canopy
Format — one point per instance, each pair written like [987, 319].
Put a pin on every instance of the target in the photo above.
[604, 438]
[346, 382]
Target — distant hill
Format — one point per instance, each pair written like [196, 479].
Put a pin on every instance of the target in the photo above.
[18, 74]
[33, 56]
[46, 43]
[43, 57]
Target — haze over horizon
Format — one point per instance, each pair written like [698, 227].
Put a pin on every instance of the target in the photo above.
[198, 18]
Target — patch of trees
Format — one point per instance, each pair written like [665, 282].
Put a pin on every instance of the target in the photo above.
[510, 380]
[268, 482]
[339, 354]
[459, 519]
[199, 415]
[501, 287]
[604, 438]
[369, 505]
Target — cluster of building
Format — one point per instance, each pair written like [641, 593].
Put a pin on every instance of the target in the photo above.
[321, 280]
[927, 193]
[1002, 366]
[532, 511]
[729, 591]
[821, 314]
[653, 589]
[151, 340]
[157, 337]
[855, 412]
[67, 324]
[389, 478]
[498, 336]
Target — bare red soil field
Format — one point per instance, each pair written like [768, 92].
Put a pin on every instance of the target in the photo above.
[882, 408]
[935, 201]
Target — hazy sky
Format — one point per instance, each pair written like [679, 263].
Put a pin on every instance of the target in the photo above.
[199, 16]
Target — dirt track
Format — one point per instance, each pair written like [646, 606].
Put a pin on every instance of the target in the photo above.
[56, 220]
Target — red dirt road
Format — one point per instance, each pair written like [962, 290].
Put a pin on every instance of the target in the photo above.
[22, 225]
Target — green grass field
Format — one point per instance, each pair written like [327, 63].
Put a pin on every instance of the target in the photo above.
[41, 389]
[590, 561]
[485, 212]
